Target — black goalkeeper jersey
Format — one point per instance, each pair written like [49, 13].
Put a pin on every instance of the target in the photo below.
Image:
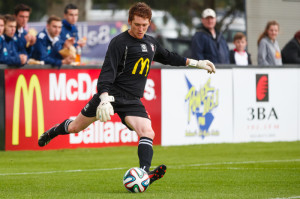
[128, 60]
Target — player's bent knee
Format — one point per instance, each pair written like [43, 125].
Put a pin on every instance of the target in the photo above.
[147, 133]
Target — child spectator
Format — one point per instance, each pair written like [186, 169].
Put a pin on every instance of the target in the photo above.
[239, 55]
[268, 48]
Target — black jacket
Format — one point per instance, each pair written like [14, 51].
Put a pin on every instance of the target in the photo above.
[291, 52]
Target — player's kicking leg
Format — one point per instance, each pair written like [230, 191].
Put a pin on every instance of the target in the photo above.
[66, 127]
[142, 126]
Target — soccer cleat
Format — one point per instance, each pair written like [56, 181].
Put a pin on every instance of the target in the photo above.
[157, 173]
[45, 138]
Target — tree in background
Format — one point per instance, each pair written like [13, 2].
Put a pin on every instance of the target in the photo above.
[39, 8]
[182, 10]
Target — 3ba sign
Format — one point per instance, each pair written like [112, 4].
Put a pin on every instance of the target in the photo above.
[35, 100]
[262, 95]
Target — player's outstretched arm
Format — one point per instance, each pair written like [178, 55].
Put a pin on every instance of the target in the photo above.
[202, 64]
[105, 109]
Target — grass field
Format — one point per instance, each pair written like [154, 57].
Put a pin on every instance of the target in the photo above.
[246, 170]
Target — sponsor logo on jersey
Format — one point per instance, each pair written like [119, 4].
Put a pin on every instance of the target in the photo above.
[152, 47]
[144, 63]
[144, 48]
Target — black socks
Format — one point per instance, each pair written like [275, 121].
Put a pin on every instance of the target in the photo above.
[145, 152]
[61, 129]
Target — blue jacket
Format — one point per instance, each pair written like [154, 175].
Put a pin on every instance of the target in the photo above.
[9, 51]
[204, 46]
[68, 30]
[22, 43]
[45, 51]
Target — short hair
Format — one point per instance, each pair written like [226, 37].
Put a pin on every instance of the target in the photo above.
[140, 9]
[53, 18]
[70, 7]
[2, 18]
[238, 36]
[21, 7]
[9, 18]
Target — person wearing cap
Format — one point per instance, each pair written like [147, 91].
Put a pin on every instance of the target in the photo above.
[208, 43]
[291, 51]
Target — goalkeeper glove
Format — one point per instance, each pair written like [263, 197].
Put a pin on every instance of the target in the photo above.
[105, 109]
[202, 64]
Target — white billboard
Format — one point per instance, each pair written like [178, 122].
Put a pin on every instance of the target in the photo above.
[298, 99]
[265, 104]
[196, 107]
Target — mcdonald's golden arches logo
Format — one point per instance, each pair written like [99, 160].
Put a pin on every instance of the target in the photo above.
[21, 85]
[144, 63]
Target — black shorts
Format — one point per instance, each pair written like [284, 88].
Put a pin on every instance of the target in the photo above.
[124, 105]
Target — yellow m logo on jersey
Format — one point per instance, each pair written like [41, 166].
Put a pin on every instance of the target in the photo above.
[144, 63]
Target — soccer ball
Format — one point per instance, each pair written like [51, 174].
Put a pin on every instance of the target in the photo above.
[136, 180]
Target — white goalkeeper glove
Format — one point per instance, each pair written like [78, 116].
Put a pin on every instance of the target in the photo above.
[203, 64]
[105, 109]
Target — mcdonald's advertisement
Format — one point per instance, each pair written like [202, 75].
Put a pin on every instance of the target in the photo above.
[36, 100]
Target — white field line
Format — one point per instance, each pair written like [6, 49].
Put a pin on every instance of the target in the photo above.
[232, 163]
[288, 197]
[60, 171]
[236, 168]
[177, 166]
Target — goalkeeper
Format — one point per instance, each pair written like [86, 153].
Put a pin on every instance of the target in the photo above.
[121, 84]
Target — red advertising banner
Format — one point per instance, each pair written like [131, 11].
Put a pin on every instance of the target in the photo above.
[37, 99]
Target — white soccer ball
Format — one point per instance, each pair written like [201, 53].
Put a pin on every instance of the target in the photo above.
[136, 180]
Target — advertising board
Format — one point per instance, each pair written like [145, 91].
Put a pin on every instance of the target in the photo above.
[265, 104]
[36, 100]
[196, 107]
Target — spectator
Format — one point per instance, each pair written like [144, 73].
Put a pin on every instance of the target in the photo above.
[25, 40]
[291, 51]
[239, 55]
[9, 53]
[268, 48]
[2, 23]
[209, 44]
[48, 44]
[69, 29]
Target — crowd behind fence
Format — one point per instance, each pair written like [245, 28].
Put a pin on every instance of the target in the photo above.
[61, 42]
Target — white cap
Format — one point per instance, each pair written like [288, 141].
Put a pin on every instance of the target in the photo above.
[208, 13]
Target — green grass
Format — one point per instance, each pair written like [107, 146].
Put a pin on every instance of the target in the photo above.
[245, 170]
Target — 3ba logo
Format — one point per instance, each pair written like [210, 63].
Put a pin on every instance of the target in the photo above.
[28, 92]
[262, 88]
[262, 95]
